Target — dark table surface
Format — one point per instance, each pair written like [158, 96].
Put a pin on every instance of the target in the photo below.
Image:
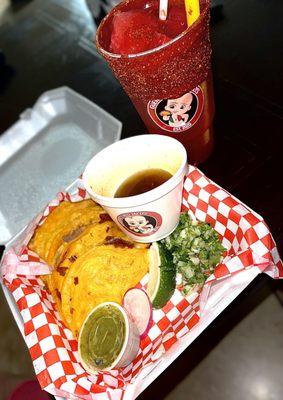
[48, 44]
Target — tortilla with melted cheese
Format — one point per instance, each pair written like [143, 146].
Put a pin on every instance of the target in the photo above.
[102, 274]
[94, 235]
[62, 225]
[93, 260]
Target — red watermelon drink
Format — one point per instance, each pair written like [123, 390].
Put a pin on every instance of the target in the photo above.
[164, 66]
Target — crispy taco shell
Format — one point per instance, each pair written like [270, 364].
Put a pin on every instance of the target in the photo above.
[104, 273]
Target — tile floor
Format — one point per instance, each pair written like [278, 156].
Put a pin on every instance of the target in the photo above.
[239, 357]
[245, 365]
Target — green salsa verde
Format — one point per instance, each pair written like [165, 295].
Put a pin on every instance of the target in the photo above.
[102, 337]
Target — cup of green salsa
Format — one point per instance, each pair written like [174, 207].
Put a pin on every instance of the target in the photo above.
[108, 339]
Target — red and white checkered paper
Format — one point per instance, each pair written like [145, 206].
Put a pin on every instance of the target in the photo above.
[52, 347]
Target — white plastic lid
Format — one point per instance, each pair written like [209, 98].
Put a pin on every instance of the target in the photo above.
[45, 151]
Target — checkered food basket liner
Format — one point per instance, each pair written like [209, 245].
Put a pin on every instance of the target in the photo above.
[52, 347]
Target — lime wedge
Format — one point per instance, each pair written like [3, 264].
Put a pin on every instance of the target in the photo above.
[162, 275]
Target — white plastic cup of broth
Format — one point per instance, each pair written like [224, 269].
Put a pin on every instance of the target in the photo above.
[130, 166]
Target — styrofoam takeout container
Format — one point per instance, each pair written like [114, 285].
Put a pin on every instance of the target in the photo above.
[46, 150]
[221, 288]
[42, 153]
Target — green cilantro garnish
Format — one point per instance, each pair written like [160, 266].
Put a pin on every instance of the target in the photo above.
[196, 250]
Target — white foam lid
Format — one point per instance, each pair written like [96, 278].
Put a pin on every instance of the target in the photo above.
[45, 150]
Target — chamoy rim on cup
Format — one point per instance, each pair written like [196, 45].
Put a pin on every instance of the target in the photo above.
[150, 143]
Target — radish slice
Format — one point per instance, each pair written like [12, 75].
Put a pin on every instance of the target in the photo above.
[136, 302]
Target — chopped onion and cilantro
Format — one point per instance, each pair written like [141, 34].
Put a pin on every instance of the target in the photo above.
[196, 250]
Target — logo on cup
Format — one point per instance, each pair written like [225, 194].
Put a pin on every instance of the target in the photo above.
[177, 115]
[140, 223]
